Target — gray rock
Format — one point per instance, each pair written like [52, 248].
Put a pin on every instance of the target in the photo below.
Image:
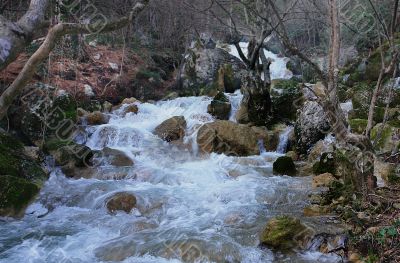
[311, 126]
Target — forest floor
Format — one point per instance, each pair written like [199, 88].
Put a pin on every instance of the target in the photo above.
[105, 71]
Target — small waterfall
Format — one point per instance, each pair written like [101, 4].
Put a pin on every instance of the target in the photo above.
[278, 66]
[235, 100]
[284, 140]
[261, 146]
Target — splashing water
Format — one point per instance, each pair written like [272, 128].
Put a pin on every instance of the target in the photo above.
[190, 207]
[284, 140]
[235, 100]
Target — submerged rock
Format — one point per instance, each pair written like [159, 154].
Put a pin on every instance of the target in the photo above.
[284, 233]
[21, 177]
[229, 138]
[131, 109]
[284, 166]
[172, 129]
[121, 202]
[116, 157]
[220, 107]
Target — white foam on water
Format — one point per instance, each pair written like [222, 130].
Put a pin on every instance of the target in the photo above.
[215, 203]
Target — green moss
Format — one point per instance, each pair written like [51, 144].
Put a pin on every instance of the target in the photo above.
[285, 96]
[15, 195]
[284, 166]
[148, 74]
[20, 177]
[384, 137]
[358, 125]
[281, 232]
[337, 190]
[68, 105]
[326, 164]
[286, 84]
[394, 123]
[53, 144]
[221, 97]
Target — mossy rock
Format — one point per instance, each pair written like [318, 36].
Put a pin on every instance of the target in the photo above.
[15, 163]
[283, 233]
[284, 165]
[21, 177]
[220, 107]
[358, 125]
[285, 96]
[69, 153]
[388, 141]
[43, 113]
[221, 97]
[326, 164]
[15, 195]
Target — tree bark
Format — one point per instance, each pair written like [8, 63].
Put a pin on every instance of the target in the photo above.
[15, 36]
[44, 50]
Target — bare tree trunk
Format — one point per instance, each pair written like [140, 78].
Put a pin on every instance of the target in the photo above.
[42, 53]
[15, 36]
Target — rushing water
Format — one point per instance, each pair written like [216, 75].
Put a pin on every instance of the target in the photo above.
[190, 207]
[284, 140]
[278, 65]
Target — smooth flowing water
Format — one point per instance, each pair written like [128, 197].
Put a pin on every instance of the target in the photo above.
[190, 207]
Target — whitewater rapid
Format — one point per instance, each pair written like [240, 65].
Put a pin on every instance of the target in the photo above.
[190, 207]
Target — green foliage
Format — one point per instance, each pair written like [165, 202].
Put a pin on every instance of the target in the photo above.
[148, 74]
[326, 164]
[358, 125]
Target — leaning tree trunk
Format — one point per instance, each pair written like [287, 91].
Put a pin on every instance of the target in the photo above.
[15, 36]
[44, 50]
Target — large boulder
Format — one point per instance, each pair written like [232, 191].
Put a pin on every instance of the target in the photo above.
[220, 107]
[21, 177]
[42, 112]
[231, 138]
[284, 233]
[172, 129]
[311, 126]
[207, 71]
[256, 105]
